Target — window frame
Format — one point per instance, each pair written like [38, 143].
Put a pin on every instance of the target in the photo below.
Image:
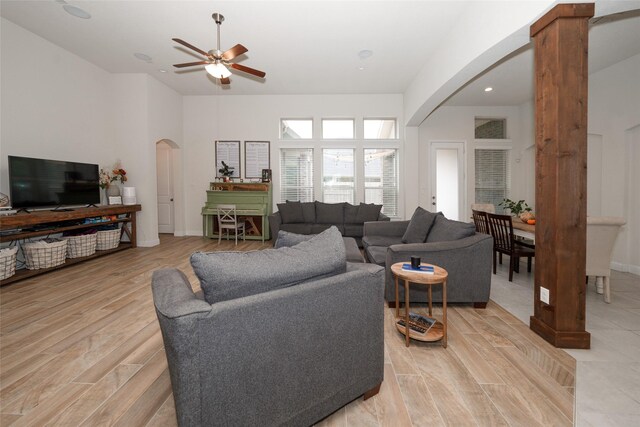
[281, 133]
[502, 147]
[353, 128]
[395, 127]
[397, 180]
[313, 171]
[506, 129]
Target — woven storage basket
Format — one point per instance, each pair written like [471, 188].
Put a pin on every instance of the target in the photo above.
[83, 245]
[108, 239]
[44, 255]
[8, 262]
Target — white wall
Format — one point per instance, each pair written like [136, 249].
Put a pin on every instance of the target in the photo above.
[458, 124]
[207, 118]
[54, 105]
[614, 114]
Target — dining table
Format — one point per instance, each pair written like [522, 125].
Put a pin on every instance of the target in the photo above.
[524, 230]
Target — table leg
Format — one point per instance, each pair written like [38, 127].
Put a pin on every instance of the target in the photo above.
[397, 300]
[430, 302]
[406, 310]
[444, 314]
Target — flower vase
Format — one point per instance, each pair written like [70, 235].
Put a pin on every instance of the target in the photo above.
[113, 190]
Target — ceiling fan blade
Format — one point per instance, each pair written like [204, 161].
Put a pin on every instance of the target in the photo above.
[225, 80]
[190, 64]
[190, 46]
[248, 70]
[234, 51]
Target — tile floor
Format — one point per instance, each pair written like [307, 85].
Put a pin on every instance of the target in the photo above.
[607, 375]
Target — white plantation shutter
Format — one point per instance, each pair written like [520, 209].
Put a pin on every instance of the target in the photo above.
[381, 179]
[493, 176]
[296, 174]
[338, 175]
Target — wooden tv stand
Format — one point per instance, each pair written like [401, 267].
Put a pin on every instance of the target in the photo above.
[42, 223]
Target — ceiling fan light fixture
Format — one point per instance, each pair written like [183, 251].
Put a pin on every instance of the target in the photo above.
[218, 70]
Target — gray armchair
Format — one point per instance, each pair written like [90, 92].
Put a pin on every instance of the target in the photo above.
[289, 356]
[467, 260]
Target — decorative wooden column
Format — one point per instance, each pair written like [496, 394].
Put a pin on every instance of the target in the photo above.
[561, 44]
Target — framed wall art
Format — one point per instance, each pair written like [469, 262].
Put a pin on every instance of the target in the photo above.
[229, 153]
[256, 158]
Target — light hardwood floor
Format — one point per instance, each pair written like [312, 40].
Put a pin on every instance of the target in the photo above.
[82, 346]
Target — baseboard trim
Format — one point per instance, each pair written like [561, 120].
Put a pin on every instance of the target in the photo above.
[193, 233]
[626, 268]
[148, 243]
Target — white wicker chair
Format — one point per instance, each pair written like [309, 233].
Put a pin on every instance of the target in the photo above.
[601, 236]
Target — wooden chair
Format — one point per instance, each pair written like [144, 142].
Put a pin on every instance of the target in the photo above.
[504, 242]
[480, 220]
[228, 220]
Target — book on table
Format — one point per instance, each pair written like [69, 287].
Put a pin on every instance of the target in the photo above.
[418, 323]
[426, 269]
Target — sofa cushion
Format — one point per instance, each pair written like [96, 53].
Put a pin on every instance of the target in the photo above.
[291, 212]
[319, 228]
[309, 212]
[446, 230]
[350, 213]
[421, 222]
[287, 239]
[296, 228]
[329, 213]
[229, 275]
[381, 240]
[353, 230]
[377, 254]
[368, 212]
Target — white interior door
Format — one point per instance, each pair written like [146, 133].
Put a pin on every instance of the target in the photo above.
[164, 168]
[447, 177]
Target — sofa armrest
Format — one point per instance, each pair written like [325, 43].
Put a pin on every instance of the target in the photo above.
[173, 296]
[275, 219]
[319, 342]
[385, 228]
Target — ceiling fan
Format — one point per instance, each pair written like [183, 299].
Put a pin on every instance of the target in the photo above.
[216, 61]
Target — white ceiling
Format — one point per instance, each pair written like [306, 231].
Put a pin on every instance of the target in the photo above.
[611, 40]
[305, 47]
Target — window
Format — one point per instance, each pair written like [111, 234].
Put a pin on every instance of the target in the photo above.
[380, 129]
[296, 174]
[338, 175]
[493, 176]
[296, 128]
[338, 128]
[491, 128]
[381, 179]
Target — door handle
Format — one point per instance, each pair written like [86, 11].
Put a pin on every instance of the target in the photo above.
[171, 200]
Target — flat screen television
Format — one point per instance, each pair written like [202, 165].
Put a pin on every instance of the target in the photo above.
[38, 183]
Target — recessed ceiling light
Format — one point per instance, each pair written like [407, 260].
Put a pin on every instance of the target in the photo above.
[76, 11]
[142, 57]
[488, 89]
[162, 71]
[361, 68]
[364, 54]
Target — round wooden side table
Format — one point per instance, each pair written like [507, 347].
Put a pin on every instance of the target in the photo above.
[439, 277]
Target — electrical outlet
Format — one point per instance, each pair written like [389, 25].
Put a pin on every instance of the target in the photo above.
[544, 295]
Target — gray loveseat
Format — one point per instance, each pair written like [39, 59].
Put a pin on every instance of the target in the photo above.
[315, 217]
[452, 245]
[282, 337]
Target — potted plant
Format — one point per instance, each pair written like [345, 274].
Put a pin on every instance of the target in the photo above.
[226, 171]
[519, 209]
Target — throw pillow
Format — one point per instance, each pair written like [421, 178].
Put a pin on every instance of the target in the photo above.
[309, 212]
[446, 230]
[291, 212]
[421, 222]
[350, 213]
[229, 275]
[368, 212]
[287, 239]
[329, 213]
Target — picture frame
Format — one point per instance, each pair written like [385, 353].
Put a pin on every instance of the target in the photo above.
[229, 153]
[266, 175]
[115, 200]
[257, 156]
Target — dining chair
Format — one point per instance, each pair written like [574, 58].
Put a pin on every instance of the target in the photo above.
[480, 220]
[601, 237]
[228, 220]
[504, 242]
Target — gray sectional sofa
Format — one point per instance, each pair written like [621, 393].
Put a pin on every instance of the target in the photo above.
[280, 337]
[315, 217]
[452, 245]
